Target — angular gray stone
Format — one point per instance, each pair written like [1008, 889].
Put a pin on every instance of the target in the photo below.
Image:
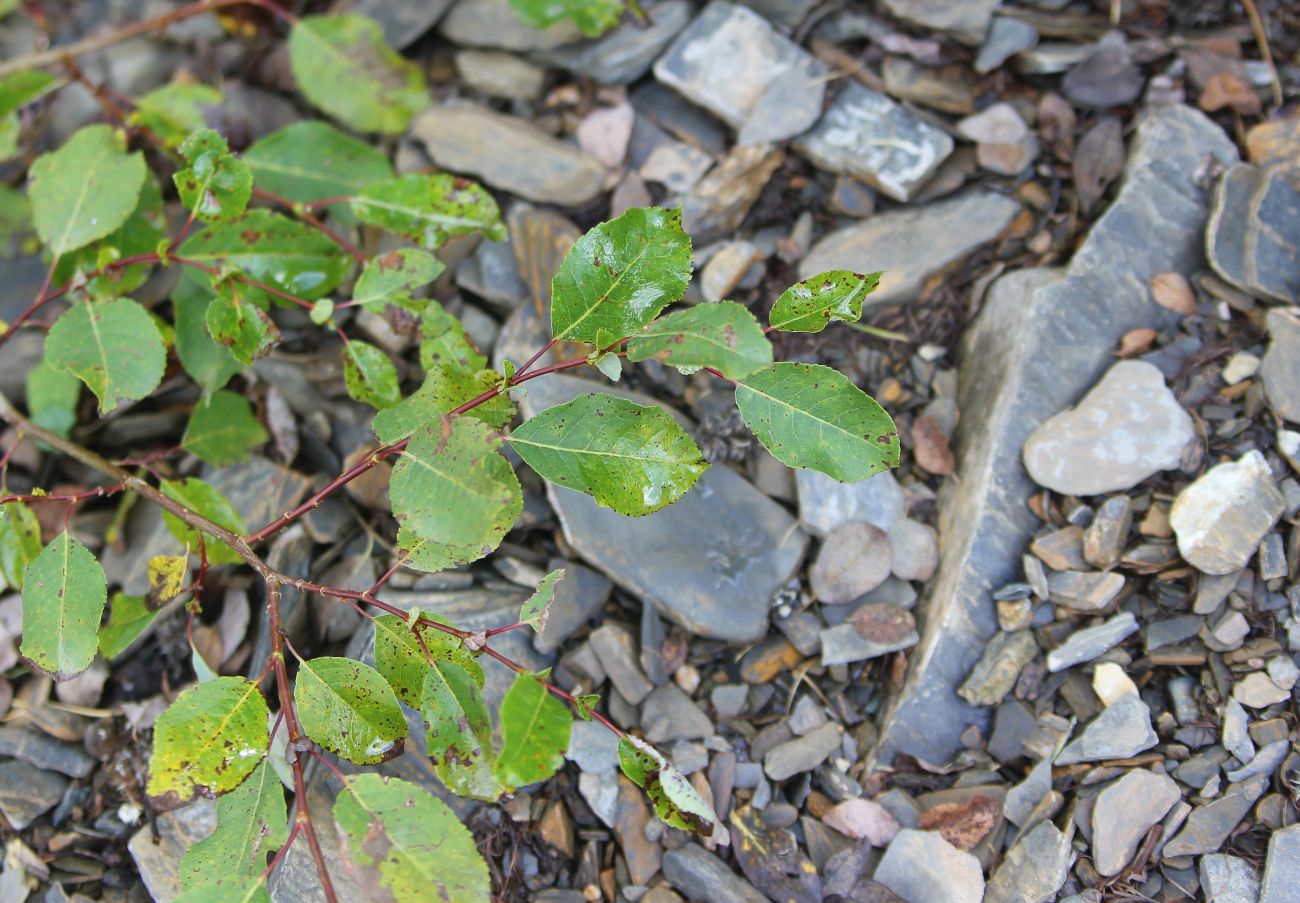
[669, 714]
[912, 244]
[1122, 729]
[616, 650]
[494, 23]
[1235, 736]
[1085, 645]
[403, 23]
[157, 860]
[996, 672]
[1253, 237]
[1006, 36]
[788, 106]
[1280, 369]
[592, 747]
[825, 503]
[1265, 762]
[968, 20]
[625, 53]
[701, 875]
[920, 866]
[1128, 427]
[1228, 879]
[1221, 517]
[1084, 590]
[1041, 339]
[1034, 869]
[1282, 868]
[803, 753]
[720, 202]
[1124, 812]
[844, 643]
[867, 135]
[498, 74]
[27, 792]
[508, 153]
[854, 559]
[1210, 824]
[711, 561]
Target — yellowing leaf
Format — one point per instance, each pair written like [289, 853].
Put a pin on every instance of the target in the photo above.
[251, 823]
[166, 578]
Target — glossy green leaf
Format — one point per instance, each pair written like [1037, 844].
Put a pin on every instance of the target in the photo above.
[64, 591]
[813, 417]
[620, 275]
[216, 185]
[84, 190]
[593, 17]
[724, 336]
[173, 111]
[52, 397]
[312, 161]
[402, 843]
[674, 799]
[345, 69]
[20, 541]
[206, 500]
[237, 323]
[535, 733]
[390, 278]
[454, 494]
[349, 709]
[400, 655]
[222, 429]
[444, 342]
[632, 458]
[536, 610]
[273, 249]
[252, 823]
[430, 209]
[210, 363]
[209, 740]
[458, 730]
[444, 389]
[810, 305]
[128, 617]
[111, 346]
[369, 375]
[140, 234]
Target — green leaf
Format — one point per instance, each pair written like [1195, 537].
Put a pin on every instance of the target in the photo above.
[620, 275]
[111, 346]
[586, 704]
[85, 189]
[812, 304]
[402, 843]
[217, 184]
[390, 279]
[252, 891]
[444, 342]
[237, 323]
[458, 730]
[273, 249]
[210, 363]
[52, 399]
[64, 591]
[349, 709]
[369, 375]
[444, 389]
[454, 494]
[400, 657]
[20, 541]
[632, 458]
[209, 740]
[674, 799]
[173, 111]
[430, 209]
[322, 311]
[128, 616]
[21, 88]
[222, 429]
[140, 234]
[205, 500]
[344, 68]
[312, 161]
[593, 17]
[251, 823]
[724, 336]
[537, 609]
[535, 733]
[813, 417]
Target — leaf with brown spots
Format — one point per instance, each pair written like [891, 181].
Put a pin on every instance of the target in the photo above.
[724, 336]
[64, 592]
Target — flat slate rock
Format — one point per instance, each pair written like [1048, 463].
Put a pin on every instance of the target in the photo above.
[921, 866]
[403, 22]
[912, 244]
[1042, 338]
[1280, 368]
[1209, 825]
[1122, 729]
[711, 562]
[1282, 868]
[1034, 869]
[1124, 812]
[867, 135]
[968, 21]
[701, 875]
[1221, 518]
[626, 52]
[508, 153]
[495, 24]
[1253, 237]
[825, 503]
[158, 860]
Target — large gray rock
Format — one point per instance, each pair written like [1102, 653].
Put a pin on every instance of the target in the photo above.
[912, 244]
[1042, 338]
[1282, 869]
[1034, 869]
[1253, 237]
[1210, 825]
[701, 875]
[1220, 519]
[623, 54]
[712, 561]
[1280, 369]
[403, 23]
[968, 20]
[921, 867]
[1123, 814]
[509, 154]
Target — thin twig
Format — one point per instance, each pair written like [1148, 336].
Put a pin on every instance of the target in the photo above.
[1261, 41]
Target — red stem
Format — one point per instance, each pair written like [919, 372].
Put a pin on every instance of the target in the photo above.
[312, 221]
[73, 497]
